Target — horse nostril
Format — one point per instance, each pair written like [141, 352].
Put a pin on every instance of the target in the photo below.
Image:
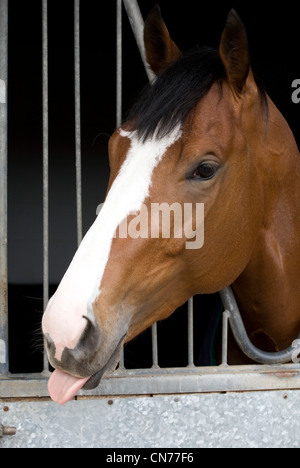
[49, 343]
[90, 338]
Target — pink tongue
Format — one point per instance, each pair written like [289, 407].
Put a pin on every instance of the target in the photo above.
[63, 387]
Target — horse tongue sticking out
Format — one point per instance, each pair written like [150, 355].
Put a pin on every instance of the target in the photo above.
[63, 387]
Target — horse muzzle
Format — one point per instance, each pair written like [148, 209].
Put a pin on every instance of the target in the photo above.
[81, 365]
[63, 386]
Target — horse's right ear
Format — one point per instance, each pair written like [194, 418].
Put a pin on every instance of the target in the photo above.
[161, 50]
[234, 52]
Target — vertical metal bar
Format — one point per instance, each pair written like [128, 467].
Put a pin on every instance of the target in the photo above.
[191, 332]
[119, 46]
[119, 64]
[154, 346]
[226, 316]
[77, 119]
[121, 362]
[137, 24]
[45, 162]
[3, 188]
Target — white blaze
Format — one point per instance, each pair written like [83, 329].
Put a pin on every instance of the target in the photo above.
[81, 283]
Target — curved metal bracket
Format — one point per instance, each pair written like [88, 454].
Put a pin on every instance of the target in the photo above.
[242, 339]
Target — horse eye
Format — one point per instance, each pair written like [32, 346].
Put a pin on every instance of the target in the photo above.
[205, 171]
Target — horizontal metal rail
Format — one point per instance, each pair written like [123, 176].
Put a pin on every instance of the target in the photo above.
[167, 381]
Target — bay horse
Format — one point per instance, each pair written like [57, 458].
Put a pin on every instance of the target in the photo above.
[205, 132]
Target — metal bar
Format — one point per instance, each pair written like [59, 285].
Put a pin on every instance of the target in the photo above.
[210, 379]
[242, 339]
[191, 332]
[77, 119]
[137, 24]
[119, 65]
[226, 316]
[121, 366]
[3, 187]
[154, 347]
[119, 46]
[45, 162]
[168, 380]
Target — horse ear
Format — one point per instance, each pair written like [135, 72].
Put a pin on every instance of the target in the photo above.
[234, 52]
[161, 50]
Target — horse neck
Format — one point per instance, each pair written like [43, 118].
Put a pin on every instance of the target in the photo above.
[268, 290]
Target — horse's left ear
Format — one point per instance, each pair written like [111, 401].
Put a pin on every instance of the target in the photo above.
[234, 52]
[161, 50]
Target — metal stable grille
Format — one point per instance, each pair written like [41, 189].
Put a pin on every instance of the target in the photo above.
[189, 379]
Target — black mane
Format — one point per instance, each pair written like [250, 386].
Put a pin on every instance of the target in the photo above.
[176, 92]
